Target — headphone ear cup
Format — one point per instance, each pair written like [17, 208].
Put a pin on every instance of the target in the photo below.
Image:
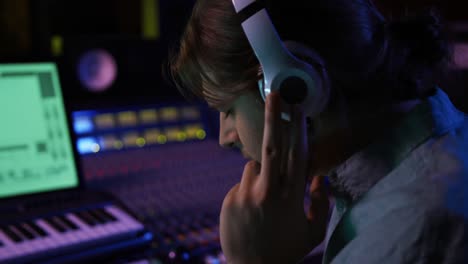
[316, 99]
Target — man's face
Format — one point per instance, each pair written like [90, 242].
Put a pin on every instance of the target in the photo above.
[241, 125]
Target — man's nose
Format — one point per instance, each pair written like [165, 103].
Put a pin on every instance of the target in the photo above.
[227, 135]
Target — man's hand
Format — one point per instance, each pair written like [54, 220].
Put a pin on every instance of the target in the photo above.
[262, 217]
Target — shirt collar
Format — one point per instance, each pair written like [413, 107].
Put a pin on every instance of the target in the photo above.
[433, 117]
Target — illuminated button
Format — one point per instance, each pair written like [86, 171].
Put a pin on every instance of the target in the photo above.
[104, 121]
[148, 116]
[95, 148]
[172, 255]
[87, 145]
[169, 114]
[201, 134]
[83, 124]
[130, 139]
[151, 136]
[140, 142]
[108, 142]
[162, 139]
[191, 130]
[190, 113]
[118, 144]
[127, 119]
[172, 134]
[181, 136]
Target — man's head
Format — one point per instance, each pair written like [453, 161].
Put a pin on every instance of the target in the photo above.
[369, 62]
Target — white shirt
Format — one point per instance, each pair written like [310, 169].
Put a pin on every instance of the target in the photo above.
[404, 198]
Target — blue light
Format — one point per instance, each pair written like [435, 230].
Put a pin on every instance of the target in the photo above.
[87, 145]
[186, 256]
[212, 260]
[82, 124]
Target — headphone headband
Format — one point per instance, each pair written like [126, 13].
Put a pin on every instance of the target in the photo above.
[296, 81]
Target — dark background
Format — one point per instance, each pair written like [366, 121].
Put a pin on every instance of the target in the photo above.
[28, 26]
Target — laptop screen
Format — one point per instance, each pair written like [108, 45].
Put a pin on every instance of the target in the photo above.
[36, 153]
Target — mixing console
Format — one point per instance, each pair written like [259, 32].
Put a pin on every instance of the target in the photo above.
[176, 190]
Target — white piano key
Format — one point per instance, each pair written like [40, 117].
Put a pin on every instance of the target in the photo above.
[8, 250]
[24, 246]
[122, 225]
[83, 233]
[86, 233]
[5, 239]
[69, 235]
[37, 243]
[112, 228]
[123, 216]
[55, 237]
[96, 228]
[46, 242]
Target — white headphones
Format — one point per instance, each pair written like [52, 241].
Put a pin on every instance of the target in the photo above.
[296, 81]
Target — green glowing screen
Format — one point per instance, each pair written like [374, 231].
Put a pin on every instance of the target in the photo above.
[36, 152]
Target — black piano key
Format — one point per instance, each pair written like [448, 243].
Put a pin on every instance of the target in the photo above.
[1, 243]
[24, 232]
[59, 221]
[11, 234]
[107, 214]
[68, 223]
[28, 227]
[102, 219]
[103, 215]
[38, 229]
[87, 218]
[57, 226]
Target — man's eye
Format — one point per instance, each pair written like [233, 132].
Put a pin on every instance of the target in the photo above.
[228, 112]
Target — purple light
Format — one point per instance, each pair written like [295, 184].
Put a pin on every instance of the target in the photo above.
[461, 55]
[172, 255]
[97, 70]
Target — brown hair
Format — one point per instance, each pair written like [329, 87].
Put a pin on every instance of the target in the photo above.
[366, 56]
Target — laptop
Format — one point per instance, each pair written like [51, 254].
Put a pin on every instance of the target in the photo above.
[48, 215]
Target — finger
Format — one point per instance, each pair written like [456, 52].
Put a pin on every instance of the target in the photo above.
[285, 139]
[317, 214]
[319, 202]
[251, 171]
[295, 178]
[271, 146]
